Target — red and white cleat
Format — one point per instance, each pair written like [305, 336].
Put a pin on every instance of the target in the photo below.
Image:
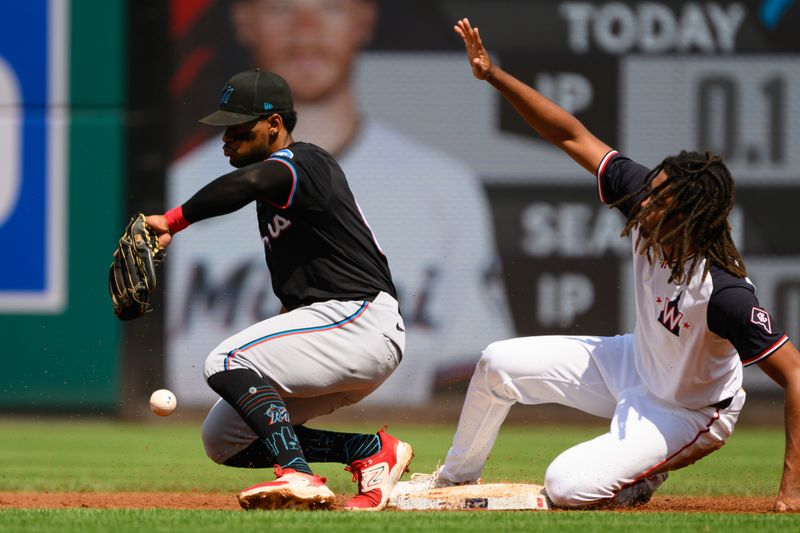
[378, 474]
[291, 490]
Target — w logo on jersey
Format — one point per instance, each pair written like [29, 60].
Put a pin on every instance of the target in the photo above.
[670, 317]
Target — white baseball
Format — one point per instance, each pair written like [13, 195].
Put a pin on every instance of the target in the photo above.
[163, 402]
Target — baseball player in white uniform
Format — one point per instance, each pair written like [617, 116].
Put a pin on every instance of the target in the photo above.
[672, 388]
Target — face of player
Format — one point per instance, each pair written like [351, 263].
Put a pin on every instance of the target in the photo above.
[311, 43]
[246, 143]
[648, 224]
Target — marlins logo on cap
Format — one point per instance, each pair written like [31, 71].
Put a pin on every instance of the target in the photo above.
[226, 93]
[250, 95]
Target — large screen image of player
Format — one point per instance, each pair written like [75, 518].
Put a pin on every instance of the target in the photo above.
[490, 232]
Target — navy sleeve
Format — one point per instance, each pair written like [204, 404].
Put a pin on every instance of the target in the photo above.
[618, 176]
[735, 315]
[267, 180]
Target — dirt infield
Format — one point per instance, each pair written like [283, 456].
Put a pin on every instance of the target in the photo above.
[217, 501]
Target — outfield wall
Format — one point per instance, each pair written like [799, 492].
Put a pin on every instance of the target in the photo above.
[62, 117]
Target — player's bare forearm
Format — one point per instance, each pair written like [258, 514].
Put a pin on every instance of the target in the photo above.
[784, 368]
[552, 122]
[789, 493]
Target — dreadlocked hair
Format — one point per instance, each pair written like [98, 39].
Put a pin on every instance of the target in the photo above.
[696, 197]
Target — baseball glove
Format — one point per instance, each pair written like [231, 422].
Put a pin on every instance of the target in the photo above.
[132, 276]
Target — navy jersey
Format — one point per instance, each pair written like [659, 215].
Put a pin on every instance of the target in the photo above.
[692, 339]
[318, 244]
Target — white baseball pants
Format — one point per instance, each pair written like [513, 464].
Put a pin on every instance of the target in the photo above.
[596, 375]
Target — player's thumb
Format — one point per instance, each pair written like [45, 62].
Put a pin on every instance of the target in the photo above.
[164, 240]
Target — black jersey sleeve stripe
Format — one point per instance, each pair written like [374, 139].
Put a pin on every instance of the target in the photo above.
[600, 169]
[766, 353]
[291, 168]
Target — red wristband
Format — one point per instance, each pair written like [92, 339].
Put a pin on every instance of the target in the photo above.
[175, 220]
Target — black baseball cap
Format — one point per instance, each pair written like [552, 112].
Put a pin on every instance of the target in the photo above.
[249, 95]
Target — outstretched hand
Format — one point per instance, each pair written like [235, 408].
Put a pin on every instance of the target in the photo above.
[476, 53]
[159, 224]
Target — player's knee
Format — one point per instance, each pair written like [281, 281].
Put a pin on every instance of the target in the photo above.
[563, 492]
[493, 361]
[571, 485]
[222, 359]
[494, 374]
[215, 362]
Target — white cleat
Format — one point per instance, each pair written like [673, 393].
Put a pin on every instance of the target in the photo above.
[425, 482]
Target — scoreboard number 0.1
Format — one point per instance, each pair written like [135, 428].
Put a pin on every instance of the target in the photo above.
[719, 117]
[742, 107]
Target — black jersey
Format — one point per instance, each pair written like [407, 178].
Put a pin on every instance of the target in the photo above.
[318, 244]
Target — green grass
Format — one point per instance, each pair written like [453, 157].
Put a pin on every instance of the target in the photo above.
[159, 520]
[167, 455]
[112, 456]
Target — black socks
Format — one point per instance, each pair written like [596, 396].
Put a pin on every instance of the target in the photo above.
[260, 405]
[334, 447]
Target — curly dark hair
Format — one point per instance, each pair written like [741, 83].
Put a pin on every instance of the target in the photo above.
[289, 119]
[697, 197]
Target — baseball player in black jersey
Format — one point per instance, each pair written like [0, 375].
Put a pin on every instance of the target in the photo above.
[339, 335]
[672, 388]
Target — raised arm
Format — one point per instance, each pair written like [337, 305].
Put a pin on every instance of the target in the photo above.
[783, 367]
[270, 180]
[550, 121]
